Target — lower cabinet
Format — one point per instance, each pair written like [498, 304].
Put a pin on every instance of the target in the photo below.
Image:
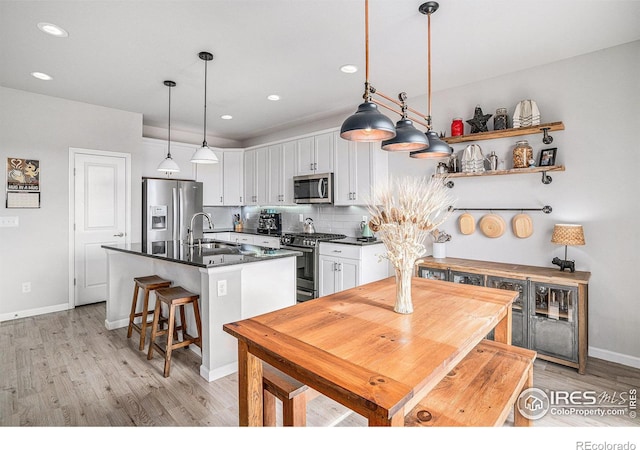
[550, 312]
[343, 266]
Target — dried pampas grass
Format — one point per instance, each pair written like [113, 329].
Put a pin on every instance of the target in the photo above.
[403, 213]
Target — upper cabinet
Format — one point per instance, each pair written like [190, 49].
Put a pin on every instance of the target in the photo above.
[211, 176]
[222, 182]
[358, 167]
[233, 177]
[281, 158]
[255, 176]
[314, 154]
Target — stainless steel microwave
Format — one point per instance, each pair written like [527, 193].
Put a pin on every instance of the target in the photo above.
[316, 188]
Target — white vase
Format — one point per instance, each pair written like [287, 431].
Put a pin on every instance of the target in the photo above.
[439, 250]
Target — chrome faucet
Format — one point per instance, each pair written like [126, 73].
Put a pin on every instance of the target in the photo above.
[190, 229]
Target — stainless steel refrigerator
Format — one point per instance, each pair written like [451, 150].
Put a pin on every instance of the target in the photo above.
[167, 208]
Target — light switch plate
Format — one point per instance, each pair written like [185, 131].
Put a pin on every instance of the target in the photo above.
[9, 221]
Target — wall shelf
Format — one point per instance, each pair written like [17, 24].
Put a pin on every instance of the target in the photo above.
[546, 179]
[497, 134]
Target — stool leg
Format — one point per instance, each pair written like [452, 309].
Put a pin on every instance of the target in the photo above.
[132, 316]
[268, 409]
[167, 356]
[183, 324]
[143, 324]
[196, 314]
[154, 329]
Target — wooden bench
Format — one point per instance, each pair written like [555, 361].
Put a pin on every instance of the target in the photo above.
[293, 394]
[481, 391]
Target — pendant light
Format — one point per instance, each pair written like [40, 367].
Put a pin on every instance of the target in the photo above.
[204, 155]
[168, 165]
[437, 148]
[407, 137]
[367, 124]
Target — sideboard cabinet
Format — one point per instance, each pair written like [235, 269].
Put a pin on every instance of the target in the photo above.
[550, 314]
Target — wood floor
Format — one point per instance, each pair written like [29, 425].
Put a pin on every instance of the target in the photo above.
[66, 369]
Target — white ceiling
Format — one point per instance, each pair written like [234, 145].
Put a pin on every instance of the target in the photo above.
[118, 53]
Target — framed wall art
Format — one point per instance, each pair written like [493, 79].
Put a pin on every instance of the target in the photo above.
[547, 157]
[23, 183]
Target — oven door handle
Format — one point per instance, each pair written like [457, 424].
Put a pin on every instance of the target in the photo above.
[298, 249]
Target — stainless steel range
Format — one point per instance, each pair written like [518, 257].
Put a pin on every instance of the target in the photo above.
[307, 270]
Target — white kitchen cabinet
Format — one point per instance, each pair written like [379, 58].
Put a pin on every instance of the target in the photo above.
[281, 170]
[343, 266]
[314, 154]
[255, 176]
[358, 167]
[233, 177]
[212, 178]
[266, 241]
[220, 236]
[242, 238]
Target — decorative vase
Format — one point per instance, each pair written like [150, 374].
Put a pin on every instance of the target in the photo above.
[439, 250]
[404, 274]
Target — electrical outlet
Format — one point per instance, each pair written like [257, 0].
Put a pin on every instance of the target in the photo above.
[9, 221]
[301, 218]
[365, 218]
[222, 288]
[26, 287]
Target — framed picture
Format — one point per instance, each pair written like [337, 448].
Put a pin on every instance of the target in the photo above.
[547, 157]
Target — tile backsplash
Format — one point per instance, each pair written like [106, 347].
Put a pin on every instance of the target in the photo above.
[326, 218]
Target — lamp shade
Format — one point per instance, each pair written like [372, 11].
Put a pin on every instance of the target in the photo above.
[168, 165]
[567, 234]
[437, 148]
[367, 125]
[407, 138]
[204, 155]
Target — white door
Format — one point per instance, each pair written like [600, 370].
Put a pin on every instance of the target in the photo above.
[100, 203]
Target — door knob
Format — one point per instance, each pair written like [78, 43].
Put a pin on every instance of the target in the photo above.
[119, 234]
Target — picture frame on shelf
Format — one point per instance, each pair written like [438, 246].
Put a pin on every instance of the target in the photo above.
[547, 157]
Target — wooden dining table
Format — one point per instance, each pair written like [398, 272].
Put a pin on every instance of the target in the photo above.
[352, 347]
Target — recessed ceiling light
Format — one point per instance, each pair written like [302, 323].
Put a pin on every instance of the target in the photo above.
[349, 68]
[42, 76]
[226, 117]
[53, 30]
[273, 97]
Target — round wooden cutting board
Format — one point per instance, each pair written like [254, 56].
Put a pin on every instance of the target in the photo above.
[522, 225]
[466, 223]
[492, 225]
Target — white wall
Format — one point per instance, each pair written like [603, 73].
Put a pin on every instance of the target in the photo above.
[597, 97]
[41, 127]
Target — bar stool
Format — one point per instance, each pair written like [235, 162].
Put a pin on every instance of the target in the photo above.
[174, 297]
[148, 284]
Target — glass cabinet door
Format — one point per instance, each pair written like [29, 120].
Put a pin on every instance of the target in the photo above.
[520, 316]
[467, 278]
[553, 325]
[433, 273]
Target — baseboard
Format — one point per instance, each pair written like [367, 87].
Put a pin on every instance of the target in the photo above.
[34, 312]
[608, 355]
[115, 324]
[212, 375]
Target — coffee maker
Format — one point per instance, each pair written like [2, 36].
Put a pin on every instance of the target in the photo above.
[269, 222]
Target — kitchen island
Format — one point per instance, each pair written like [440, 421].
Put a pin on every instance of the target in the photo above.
[234, 282]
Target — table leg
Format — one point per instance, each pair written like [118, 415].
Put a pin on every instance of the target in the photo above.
[396, 421]
[249, 387]
[502, 331]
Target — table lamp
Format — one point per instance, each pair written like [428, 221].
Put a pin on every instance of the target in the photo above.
[567, 234]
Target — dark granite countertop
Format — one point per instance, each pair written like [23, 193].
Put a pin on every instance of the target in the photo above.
[225, 255]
